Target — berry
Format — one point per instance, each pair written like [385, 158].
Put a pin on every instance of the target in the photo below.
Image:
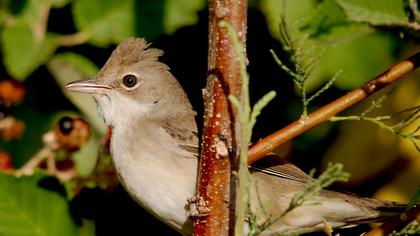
[72, 133]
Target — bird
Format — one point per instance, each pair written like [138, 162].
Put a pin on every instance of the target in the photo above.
[154, 147]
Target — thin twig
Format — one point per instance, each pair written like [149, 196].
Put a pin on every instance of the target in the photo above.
[34, 162]
[324, 113]
[414, 9]
[39, 29]
[73, 39]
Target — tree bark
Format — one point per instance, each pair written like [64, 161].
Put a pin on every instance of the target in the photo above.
[219, 154]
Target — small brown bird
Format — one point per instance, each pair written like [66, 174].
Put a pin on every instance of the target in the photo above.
[154, 147]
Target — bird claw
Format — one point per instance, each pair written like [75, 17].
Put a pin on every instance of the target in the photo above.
[197, 207]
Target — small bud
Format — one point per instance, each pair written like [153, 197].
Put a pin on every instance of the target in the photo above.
[10, 128]
[11, 92]
[72, 133]
[5, 162]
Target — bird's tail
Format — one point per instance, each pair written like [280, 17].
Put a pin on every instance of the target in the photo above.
[379, 210]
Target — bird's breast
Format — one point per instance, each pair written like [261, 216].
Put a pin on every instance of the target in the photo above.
[154, 176]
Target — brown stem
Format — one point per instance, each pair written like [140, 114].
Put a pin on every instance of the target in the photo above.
[34, 162]
[73, 39]
[271, 142]
[39, 29]
[220, 123]
[396, 223]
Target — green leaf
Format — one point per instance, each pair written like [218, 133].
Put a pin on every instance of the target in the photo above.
[414, 199]
[59, 3]
[88, 228]
[112, 21]
[26, 208]
[295, 11]
[179, 13]
[23, 54]
[79, 62]
[351, 47]
[375, 12]
[87, 156]
[35, 11]
[328, 22]
[68, 67]
[360, 59]
[106, 22]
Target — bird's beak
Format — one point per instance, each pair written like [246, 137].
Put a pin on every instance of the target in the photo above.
[91, 86]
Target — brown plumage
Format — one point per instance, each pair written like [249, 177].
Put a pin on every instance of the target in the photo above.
[154, 148]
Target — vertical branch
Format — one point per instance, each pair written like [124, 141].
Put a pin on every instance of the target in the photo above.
[221, 132]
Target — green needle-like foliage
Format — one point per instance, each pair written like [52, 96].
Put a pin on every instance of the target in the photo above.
[300, 66]
[333, 173]
[405, 118]
[247, 118]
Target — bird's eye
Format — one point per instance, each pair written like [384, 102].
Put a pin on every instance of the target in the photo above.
[129, 81]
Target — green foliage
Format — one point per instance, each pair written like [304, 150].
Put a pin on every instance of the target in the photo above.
[22, 53]
[332, 174]
[28, 208]
[344, 42]
[404, 118]
[69, 67]
[412, 228]
[247, 118]
[86, 158]
[105, 21]
[28, 44]
[375, 12]
[302, 64]
[414, 200]
[180, 12]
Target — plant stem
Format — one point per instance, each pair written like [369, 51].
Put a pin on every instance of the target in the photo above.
[244, 112]
[216, 184]
[271, 142]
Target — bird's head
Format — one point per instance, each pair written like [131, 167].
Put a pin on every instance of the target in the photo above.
[133, 84]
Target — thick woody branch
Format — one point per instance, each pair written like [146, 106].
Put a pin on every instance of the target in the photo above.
[271, 142]
[221, 126]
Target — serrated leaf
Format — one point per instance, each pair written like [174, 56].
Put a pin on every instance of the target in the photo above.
[26, 208]
[69, 67]
[105, 21]
[375, 12]
[179, 13]
[351, 47]
[328, 22]
[22, 54]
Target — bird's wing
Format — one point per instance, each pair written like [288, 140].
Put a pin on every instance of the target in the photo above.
[278, 166]
[184, 129]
